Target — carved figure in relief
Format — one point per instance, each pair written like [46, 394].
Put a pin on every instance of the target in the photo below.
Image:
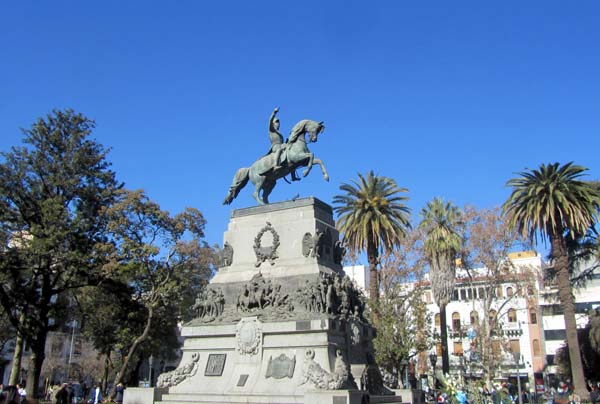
[259, 293]
[178, 375]
[340, 378]
[210, 303]
[311, 245]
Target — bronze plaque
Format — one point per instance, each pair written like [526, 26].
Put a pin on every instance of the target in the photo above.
[215, 365]
[281, 367]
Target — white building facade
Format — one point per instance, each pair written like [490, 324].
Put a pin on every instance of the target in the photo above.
[587, 297]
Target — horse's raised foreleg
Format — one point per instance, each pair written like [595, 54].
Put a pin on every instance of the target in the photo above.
[311, 158]
[323, 169]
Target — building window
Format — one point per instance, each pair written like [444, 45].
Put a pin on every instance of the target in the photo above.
[463, 294]
[455, 295]
[515, 346]
[509, 292]
[536, 347]
[555, 335]
[427, 297]
[496, 349]
[499, 291]
[458, 348]
[532, 316]
[438, 349]
[470, 294]
[57, 345]
[481, 293]
[456, 321]
[530, 291]
[474, 317]
[437, 320]
[512, 316]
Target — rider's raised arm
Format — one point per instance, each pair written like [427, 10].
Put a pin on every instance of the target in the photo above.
[272, 118]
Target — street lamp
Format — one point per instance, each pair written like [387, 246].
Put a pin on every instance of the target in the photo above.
[517, 356]
[433, 360]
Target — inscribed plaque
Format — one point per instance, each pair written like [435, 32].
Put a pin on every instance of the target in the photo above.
[215, 364]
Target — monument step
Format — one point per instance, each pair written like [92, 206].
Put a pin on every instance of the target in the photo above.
[182, 398]
[230, 398]
[385, 400]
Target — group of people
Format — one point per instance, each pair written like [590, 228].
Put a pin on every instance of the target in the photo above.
[74, 393]
[13, 394]
[66, 393]
[506, 394]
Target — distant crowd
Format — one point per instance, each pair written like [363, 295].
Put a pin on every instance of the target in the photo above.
[66, 393]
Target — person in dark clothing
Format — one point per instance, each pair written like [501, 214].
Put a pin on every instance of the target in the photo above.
[62, 395]
[70, 393]
[10, 395]
[595, 395]
[119, 390]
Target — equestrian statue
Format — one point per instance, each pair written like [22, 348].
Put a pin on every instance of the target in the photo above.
[282, 159]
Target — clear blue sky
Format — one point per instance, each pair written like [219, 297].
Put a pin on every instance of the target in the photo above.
[448, 98]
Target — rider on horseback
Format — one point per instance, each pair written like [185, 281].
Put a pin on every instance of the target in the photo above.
[277, 145]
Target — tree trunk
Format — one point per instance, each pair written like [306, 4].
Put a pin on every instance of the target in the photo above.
[373, 257]
[444, 337]
[15, 371]
[565, 293]
[131, 352]
[105, 373]
[36, 360]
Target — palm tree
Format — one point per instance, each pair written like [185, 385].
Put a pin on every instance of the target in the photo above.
[441, 222]
[372, 217]
[553, 203]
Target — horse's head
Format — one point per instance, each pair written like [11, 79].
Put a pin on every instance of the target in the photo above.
[313, 129]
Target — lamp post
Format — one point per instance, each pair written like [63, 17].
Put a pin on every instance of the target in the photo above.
[517, 356]
[150, 370]
[433, 360]
[73, 325]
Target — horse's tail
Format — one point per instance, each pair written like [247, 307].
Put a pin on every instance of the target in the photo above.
[239, 181]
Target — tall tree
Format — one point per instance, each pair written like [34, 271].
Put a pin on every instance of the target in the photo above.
[441, 223]
[158, 255]
[51, 193]
[488, 242]
[555, 204]
[405, 324]
[372, 218]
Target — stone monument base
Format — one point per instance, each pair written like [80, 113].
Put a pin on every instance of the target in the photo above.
[280, 322]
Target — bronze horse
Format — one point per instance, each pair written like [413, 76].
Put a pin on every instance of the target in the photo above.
[263, 172]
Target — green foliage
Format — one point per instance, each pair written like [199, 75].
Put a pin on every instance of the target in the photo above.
[372, 217]
[551, 200]
[372, 209]
[555, 204]
[589, 355]
[52, 192]
[441, 223]
[404, 330]
[162, 260]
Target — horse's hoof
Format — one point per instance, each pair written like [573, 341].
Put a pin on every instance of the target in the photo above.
[326, 178]
[305, 173]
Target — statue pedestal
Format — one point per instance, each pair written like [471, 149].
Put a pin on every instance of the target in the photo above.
[279, 322]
